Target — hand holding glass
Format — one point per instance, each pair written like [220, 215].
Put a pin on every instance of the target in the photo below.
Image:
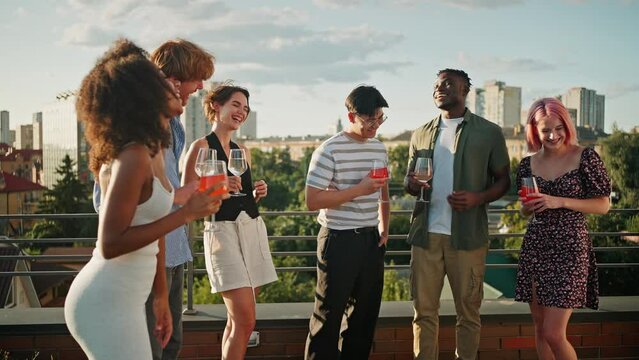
[237, 165]
[380, 170]
[213, 172]
[529, 186]
[423, 173]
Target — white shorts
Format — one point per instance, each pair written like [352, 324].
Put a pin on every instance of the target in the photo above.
[237, 254]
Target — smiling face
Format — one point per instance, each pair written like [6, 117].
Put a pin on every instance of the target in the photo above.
[551, 132]
[365, 126]
[189, 87]
[234, 112]
[449, 91]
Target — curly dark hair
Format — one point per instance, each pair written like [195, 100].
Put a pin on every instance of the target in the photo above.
[122, 100]
[221, 94]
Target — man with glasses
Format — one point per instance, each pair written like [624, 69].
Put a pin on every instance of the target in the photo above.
[352, 240]
[449, 232]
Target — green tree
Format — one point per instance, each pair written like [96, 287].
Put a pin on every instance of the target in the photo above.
[67, 196]
[398, 161]
[620, 152]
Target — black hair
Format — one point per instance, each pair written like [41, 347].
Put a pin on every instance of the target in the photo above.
[365, 100]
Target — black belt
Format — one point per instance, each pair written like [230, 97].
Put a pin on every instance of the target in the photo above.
[361, 230]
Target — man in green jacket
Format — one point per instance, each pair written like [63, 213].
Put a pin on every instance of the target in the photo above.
[449, 232]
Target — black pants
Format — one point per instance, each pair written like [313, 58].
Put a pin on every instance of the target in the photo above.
[350, 272]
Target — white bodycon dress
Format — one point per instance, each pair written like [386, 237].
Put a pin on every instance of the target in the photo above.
[104, 309]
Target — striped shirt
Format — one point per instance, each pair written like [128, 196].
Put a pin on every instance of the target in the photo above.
[340, 163]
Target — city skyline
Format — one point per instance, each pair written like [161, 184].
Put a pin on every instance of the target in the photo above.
[301, 59]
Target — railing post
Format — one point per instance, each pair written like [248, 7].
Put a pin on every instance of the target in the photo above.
[189, 276]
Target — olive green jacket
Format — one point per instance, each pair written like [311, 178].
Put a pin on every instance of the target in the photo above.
[480, 151]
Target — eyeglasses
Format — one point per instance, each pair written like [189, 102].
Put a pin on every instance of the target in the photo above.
[372, 121]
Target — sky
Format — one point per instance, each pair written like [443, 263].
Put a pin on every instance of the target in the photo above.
[301, 58]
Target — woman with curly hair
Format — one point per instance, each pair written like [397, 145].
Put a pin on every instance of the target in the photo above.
[125, 104]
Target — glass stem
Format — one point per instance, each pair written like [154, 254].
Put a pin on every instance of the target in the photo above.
[421, 194]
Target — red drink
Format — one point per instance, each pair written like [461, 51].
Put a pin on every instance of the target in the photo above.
[525, 193]
[379, 173]
[210, 180]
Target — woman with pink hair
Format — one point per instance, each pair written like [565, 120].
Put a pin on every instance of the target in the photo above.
[557, 268]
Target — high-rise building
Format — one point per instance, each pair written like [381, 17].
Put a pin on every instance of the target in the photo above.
[37, 130]
[336, 127]
[64, 136]
[12, 137]
[193, 119]
[4, 127]
[589, 105]
[24, 137]
[475, 101]
[502, 104]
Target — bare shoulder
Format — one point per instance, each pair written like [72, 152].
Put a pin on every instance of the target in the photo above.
[577, 152]
[199, 143]
[135, 158]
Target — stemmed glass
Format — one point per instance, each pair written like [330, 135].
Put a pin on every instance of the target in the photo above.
[380, 170]
[423, 173]
[212, 172]
[237, 165]
[204, 155]
[529, 186]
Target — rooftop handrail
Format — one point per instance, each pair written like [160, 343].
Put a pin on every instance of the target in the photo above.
[191, 271]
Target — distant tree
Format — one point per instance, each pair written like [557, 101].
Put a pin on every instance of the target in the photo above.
[67, 196]
[514, 168]
[396, 286]
[398, 161]
[620, 152]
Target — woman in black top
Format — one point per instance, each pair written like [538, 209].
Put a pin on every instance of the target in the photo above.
[238, 259]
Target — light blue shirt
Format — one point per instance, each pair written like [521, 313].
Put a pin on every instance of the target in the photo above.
[178, 250]
[176, 242]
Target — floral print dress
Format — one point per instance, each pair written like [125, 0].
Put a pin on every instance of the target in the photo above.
[557, 254]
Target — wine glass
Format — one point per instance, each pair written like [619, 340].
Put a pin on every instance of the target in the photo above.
[529, 186]
[423, 173]
[213, 172]
[204, 155]
[237, 165]
[380, 170]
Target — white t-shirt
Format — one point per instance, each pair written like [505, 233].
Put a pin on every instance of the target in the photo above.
[440, 214]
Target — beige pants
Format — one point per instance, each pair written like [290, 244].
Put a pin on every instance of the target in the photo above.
[237, 254]
[465, 271]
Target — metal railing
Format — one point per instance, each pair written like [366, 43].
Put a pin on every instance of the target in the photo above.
[191, 272]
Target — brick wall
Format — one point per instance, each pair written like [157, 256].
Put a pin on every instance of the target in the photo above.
[592, 340]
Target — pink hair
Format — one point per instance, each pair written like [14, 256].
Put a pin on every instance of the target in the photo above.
[548, 107]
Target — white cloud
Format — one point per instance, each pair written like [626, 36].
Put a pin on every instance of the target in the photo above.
[20, 12]
[618, 90]
[480, 4]
[87, 35]
[503, 65]
[263, 45]
[336, 4]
